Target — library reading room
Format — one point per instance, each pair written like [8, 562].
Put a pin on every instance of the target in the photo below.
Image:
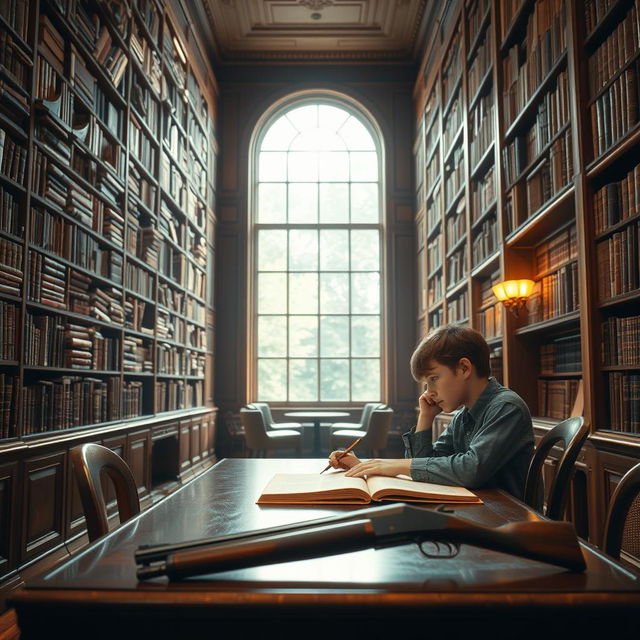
[319, 318]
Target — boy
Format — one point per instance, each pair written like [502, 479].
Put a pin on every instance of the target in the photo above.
[489, 442]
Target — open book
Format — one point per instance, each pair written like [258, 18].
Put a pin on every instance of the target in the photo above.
[336, 488]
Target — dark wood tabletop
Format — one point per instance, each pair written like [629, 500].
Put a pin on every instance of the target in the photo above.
[374, 587]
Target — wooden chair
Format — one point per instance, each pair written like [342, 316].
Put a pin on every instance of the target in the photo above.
[623, 498]
[89, 462]
[265, 410]
[374, 439]
[363, 425]
[573, 432]
[260, 440]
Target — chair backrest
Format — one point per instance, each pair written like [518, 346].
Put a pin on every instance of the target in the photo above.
[378, 431]
[366, 414]
[90, 461]
[573, 432]
[255, 431]
[626, 492]
[264, 409]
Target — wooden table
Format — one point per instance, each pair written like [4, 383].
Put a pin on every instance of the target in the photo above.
[316, 417]
[397, 590]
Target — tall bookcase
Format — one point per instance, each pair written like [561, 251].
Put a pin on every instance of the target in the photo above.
[107, 195]
[548, 141]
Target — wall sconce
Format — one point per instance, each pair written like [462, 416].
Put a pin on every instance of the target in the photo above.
[513, 293]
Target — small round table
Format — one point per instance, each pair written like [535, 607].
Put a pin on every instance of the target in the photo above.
[316, 417]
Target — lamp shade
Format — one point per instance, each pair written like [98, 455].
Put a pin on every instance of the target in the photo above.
[513, 289]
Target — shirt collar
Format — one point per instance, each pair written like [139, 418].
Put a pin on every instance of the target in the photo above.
[483, 399]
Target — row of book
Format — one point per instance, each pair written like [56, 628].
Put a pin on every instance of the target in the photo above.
[172, 180]
[137, 355]
[553, 253]
[557, 397]
[483, 194]
[10, 219]
[198, 138]
[480, 65]
[496, 364]
[528, 63]
[618, 260]
[434, 255]
[562, 355]
[550, 176]
[140, 188]
[554, 295]
[147, 58]
[15, 63]
[456, 225]
[485, 241]
[13, 158]
[170, 395]
[611, 56]
[490, 321]
[141, 146]
[615, 112]
[174, 56]
[434, 210]
[135, 317]
[16, 13]
[434, 289]
[452, 67]
[172, 360]
[621, 341]
[196, 210]
[456, 267]
[9, 385]
[595, 11]
[617, 201]
[452, 125]
[475, 18]
[145, 104]
[454, 175]
[481, 128]
[140, 280]
[11, 267]
[55, 342]
[432, 172]
[143, 240]
[9, 329]
[624, 402]
[457, 308]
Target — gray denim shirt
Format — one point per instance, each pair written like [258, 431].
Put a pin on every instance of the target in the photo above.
[489, 445]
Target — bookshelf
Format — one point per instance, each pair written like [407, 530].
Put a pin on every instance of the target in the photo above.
[107, 195]
[549, 143]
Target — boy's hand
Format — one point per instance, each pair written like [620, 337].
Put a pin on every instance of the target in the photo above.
[346, 462]
[378, 467]
[428, 411]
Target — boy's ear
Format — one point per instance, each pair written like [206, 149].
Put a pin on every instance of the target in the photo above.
[465, 366]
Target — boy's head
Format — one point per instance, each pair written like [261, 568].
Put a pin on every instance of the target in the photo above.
[449, 360]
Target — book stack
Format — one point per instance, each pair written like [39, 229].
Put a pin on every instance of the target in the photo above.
[618, 263]
[624, 402]
[482, 60]
[456, 267]
[170, 395]
[51, 44]
[81, 78]
[86, 22]
[87, 348]
[485, 241]
[481, 128]
[164, 325]
[8, 316]
[110, 56]
[48, 181]
[557, 397]
[195, 363]
[48, 231]
[47, 281]
[139, 280]
[555, 294]
[109, 187]
[8, 405]
[562, 355]
[621, 341]
[456, 225]
[132, 399]
[434, 211]
[16, 14]
[105, 304]
[195, 311]
[13, 158]
[11, 220]
[615, 112]
[11, 268]
[171, 298]
[179, 329]
[482, 194]
[612, 55]
[79, 293]
[134, 310]
[452, 67]
[453, 123]
[80, 203]
[113, 225]
[43, 341]
[194, 394]
[141, 188]
[617, 201]
[544, 44]
[137, 355]
[454, 175]
[457, 308]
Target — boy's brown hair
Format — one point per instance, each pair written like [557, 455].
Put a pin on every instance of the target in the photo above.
[446, 345]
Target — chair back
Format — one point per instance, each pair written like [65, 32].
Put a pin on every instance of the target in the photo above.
[573, 432]
[255, 431]
[265, 410]
[378, 431]
[366, 413]
[90, 460]
[626, 492]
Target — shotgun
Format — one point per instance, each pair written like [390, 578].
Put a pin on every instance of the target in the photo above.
[547, 541]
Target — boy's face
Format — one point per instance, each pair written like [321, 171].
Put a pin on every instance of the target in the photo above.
[448, 388]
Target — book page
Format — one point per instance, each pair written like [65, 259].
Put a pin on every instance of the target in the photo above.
[314, 488]
[403, 488]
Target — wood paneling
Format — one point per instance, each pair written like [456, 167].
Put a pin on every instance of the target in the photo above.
[138, 458]
[8, 509]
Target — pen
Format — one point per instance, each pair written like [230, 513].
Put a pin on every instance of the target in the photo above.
[342, 454]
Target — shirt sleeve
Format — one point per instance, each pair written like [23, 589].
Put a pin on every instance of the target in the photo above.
[501, 434]
[418, 444]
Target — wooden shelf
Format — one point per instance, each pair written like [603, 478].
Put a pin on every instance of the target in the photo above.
[516, 23]
[549, 325]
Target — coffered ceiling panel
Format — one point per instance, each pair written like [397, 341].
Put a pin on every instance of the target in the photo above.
[289, 30]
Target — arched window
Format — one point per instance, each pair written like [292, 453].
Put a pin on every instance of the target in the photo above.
[317, 256]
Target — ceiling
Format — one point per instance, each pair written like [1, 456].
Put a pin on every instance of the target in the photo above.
[286, 31]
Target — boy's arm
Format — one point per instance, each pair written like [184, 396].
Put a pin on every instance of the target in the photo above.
[419, 444]
[504, 432]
